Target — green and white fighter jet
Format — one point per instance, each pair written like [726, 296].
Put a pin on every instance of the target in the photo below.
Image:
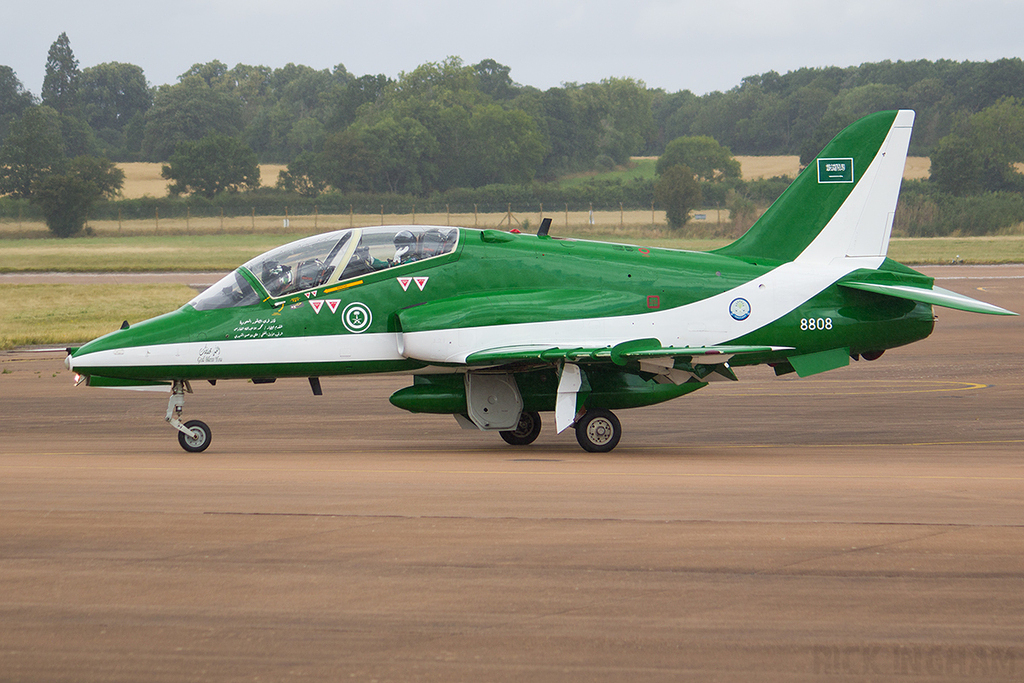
[497, 327]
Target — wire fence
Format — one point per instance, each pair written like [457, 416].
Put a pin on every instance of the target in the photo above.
[712, 221]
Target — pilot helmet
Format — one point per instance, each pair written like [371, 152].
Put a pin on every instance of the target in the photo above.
[273, 270]
[405, 242]
[433, 242]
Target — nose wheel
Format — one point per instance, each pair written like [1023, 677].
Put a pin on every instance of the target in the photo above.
[194, 435]
[201, 439]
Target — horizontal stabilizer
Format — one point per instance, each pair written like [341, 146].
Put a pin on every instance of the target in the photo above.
[936, 296]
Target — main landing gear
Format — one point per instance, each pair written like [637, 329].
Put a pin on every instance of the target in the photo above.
[597, 430]
[194, 435]
[526, 432]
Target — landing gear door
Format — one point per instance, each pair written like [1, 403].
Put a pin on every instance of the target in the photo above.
[493, 402]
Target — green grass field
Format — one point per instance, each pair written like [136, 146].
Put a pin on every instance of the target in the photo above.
[134, 254]
[183, 253]
[69, 314]
[639, 169]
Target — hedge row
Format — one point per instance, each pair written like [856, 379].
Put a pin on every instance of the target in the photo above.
[922, 211]
[598, 195]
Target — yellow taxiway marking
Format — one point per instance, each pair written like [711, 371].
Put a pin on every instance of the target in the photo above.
[898, 387]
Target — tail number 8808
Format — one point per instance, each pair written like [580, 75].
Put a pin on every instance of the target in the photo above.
[815, 324]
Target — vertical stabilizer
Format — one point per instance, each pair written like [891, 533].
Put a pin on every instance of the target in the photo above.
[842, 205]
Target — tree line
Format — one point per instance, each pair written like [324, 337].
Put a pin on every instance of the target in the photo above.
[449, 125]
[111, 110]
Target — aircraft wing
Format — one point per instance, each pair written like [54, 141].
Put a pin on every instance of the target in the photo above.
[620, 354]
[667, 364]
[936, 296]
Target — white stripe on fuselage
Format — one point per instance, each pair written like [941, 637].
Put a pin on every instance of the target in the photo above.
[702, 323]
[284, 350]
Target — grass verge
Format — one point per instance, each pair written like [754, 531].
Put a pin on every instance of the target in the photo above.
[69, 314]
[222, 253]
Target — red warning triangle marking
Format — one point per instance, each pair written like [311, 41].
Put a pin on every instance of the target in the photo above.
[317, 305]
[404, 281]
[333, 304]
[421, 282]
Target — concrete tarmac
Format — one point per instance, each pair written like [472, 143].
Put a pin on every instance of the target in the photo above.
[863, 524]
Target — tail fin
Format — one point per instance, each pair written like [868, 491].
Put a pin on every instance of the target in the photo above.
[842, 205]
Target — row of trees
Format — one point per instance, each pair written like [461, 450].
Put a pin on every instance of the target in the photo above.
[800, 111]
[449, 125]
[438, 113]
[282, 113]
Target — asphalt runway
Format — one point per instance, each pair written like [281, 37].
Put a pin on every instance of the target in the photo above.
[863, 524]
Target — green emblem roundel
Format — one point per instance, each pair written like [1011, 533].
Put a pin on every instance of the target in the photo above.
[356, 317]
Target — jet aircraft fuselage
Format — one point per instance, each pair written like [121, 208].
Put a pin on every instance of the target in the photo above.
[496, 327]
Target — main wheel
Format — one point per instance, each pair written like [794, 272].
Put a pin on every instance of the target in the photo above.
[598, 431]
[200, 442]
[526, 432]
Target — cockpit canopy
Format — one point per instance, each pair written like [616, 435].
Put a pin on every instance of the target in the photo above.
[328, 258]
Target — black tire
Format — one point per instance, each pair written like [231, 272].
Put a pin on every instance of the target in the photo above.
[526, 432]
[198, 444]
[598, 431]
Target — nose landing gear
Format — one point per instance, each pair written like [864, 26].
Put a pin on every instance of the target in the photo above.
[194, 435]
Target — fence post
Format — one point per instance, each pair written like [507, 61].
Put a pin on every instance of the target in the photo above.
[652, 214]
[414, 214]
[448, 214]
[118, 218]
[316, 216]
[476, 217]
[188, 220]
[541, 218]
[382, 214]
[622, 217]
[157, 220]
[222, 219]
[254, 219]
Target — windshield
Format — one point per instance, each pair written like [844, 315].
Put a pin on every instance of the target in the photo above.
[232, 290]
[328, 258]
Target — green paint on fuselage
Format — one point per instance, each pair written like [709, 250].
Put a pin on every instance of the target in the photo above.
[528, 279]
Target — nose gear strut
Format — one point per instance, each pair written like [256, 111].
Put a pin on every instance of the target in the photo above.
[194, 435]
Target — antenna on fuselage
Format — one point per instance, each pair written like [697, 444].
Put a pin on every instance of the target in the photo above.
[545, 225]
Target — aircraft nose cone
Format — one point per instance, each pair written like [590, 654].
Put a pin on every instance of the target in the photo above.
[67, 362]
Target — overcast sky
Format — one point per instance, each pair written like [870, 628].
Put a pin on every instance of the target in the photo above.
[671, 44]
